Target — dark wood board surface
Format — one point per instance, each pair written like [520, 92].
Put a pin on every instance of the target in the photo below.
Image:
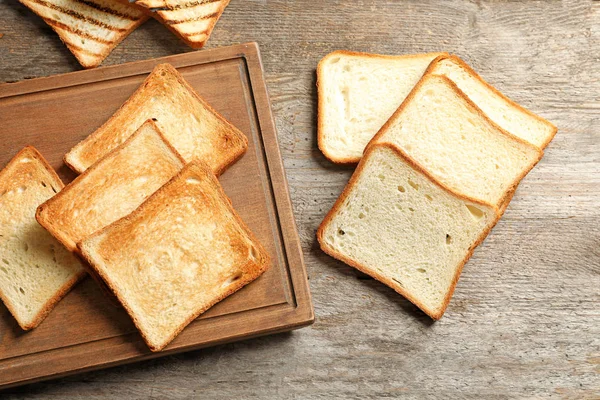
[85, 331]
[524, 321]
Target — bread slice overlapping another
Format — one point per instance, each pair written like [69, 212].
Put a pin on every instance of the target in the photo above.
[90, 29]
[449, 136]
[358, 93]
[507, 114]
[187, 121]
[182, 251]
[395, 222]
[36, 272]
[112, 188]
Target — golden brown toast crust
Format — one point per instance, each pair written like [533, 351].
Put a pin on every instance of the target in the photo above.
[10, 177]
[228, 144]
[57, 214]
[373, 273]
[194, 187]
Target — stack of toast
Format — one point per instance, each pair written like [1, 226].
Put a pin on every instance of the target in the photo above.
[146, 217]
[440, 152]
[91, 29]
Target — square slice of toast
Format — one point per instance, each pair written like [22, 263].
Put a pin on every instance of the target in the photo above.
[112, 188]
[91, 29]
[194, 129]
[182, 251]
[36, 272]
[398, 224]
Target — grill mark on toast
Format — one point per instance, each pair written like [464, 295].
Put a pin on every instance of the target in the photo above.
[181, 21]
[194, 34]
[77, 15]
[189, 4]
[107, 10]
[81, 50]
[78, 32]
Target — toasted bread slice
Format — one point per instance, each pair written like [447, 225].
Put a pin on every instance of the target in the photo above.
[504, 112]
[395, 222]
[358, 93]
[36, 272]
[192, 21]
[194, 129]
[89, 28]
[441, 128]
[178, 254]
[112, 188]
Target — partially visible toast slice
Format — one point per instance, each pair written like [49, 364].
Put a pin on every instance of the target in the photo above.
[194, 129]
[178, 254]
[358, 93]
[507, 114]
[398, 224]
[441, 128]
[36, 272]
[89, 28]
[191, 21]
[112, 188]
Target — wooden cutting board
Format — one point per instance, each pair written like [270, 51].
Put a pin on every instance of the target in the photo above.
[86, 331]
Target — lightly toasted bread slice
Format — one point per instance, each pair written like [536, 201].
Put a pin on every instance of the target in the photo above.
[194, 129]
[358, 93]
[36, 272]
[398, 224]
[91, 29]
[182, 251]
[112, 188]
[444, 131]
[507, 114]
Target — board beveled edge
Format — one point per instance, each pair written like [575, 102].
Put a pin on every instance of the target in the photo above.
[76, 78]
[126, 349]
[276, 318]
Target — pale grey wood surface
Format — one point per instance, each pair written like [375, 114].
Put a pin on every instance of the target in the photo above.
[525, 319]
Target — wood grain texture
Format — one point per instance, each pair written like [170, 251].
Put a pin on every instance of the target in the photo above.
[525, 318]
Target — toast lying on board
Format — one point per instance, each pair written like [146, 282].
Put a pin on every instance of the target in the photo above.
[178, 254]
[194, 129]
[112, 188]
[36, 272]
[191, 21]
[395, 222]
[90, 28]
[504, 112]
[358, 93]
[443, 131]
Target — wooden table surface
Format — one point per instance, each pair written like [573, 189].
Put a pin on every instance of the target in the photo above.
[525, 318]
